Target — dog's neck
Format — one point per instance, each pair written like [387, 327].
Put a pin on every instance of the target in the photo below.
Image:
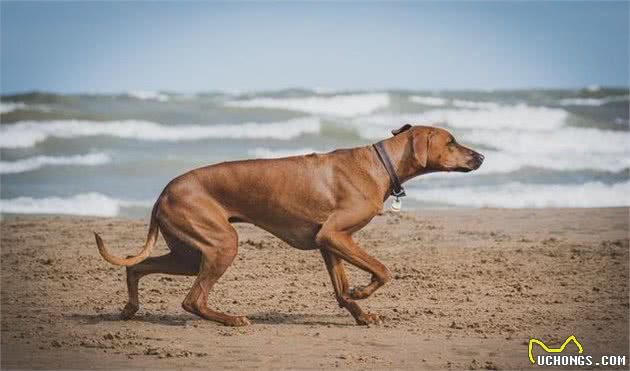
[401, 153]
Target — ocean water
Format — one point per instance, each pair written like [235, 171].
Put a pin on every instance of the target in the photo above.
[111, 154]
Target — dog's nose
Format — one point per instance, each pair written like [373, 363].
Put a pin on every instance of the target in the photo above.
[478, 156]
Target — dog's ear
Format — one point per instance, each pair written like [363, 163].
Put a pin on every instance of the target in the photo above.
[421, 142]
[401, 129]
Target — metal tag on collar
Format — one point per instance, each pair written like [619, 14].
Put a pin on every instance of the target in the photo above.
[397, 204]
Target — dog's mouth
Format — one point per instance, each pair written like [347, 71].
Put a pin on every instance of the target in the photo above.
[462, 169]
[473, 164]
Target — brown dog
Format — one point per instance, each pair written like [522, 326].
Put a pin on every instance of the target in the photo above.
[312, 202]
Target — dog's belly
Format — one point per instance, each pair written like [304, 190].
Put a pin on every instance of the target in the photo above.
[298, 235]
[300, 238]
[294, 228]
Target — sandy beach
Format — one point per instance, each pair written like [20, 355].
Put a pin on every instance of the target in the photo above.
[470, 288]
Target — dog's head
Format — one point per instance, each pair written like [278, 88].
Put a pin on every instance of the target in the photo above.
[434, 149]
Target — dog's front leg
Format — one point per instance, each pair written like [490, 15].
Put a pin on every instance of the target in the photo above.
[334, 266]
[342, 245]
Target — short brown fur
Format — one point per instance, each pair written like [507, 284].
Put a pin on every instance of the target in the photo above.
[315, 201]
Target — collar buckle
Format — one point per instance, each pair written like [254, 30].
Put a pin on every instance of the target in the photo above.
[400, 193]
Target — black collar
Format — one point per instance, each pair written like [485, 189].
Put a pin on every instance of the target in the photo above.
[397, 189]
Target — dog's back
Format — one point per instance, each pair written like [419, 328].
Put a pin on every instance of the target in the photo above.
[289, 197]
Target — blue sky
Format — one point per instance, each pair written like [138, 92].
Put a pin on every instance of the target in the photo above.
[204, 46]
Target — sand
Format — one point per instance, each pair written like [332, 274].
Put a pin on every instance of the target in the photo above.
[470, 288]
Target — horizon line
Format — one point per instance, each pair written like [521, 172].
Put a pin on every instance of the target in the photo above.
[317, 90]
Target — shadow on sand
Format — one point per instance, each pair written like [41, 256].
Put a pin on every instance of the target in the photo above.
[262, 318]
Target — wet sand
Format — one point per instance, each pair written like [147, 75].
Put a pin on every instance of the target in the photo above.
[470, 288]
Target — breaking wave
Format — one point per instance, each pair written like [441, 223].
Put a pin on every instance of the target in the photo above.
[86, 204]
[29, 133]
[428, 101]
[6, 107]
[500, 162]
[460, 103]
[148, 95]
[337, 105]
[277, 153]
[34, 163]
[519, 195]
[567, 142]
[593, 101]
[518, 117]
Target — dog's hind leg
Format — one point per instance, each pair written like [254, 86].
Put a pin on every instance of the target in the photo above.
[172, 263]
[187, 213]
[218, 254]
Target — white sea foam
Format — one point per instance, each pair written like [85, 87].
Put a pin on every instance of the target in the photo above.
[348, 105]
[519, 195]
[37, 162]
[324, 90]
[460, 103]
[593, 101]
[276, 153]
[29, 133]
[501, 162]
[563, 143]
[93, 204]
[428, 101]
[6, 107]
[519, 117]
[148, 95]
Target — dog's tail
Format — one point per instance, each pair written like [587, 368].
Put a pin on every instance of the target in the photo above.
[146, 250]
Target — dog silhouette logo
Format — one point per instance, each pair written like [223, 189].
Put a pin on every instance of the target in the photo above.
[571, 338]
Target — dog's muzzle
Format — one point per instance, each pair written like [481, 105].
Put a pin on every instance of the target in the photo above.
[477, 160]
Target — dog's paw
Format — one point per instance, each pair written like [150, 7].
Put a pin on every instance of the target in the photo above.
[238, 321]
[367, 319]
[357, 293]
[128, 311]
